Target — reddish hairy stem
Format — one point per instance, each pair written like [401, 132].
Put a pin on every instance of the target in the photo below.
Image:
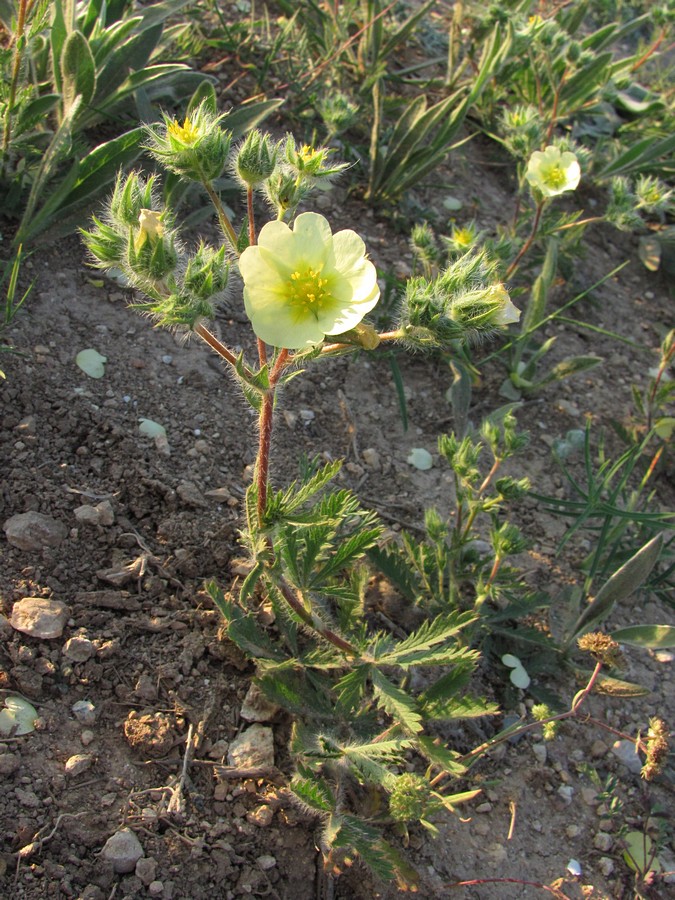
[265, 438]
[528, 243]
[307, 617]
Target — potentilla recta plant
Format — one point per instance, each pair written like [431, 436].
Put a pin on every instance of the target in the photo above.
[307, 289]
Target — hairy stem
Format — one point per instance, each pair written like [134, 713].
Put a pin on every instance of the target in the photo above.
[528, 243]
[16, 69]
[223, 218]
[265, 437]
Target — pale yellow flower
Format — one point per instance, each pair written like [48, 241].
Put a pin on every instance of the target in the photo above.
[507, 313]
[553, 172]
[150, 227]
[305, 283]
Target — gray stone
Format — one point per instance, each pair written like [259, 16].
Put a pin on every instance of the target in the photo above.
[266, 862]
[106, 513]
[253, 748]
[625, 753]
[9, 763]
[84, 711]
[146, 869]
[87, 515]
[156, 889]
[34, 531]
[256, 707]
[79, 648]
[39, 617]
[603, 841]
[78, 763]
[123, 850]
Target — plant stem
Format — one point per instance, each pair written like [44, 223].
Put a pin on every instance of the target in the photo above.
[311, 620]
[528, 243]
[572, 712]
[16, 69]
[265, 437]
[215, 344]
[535, 884]
[223, 218]
[262, 347]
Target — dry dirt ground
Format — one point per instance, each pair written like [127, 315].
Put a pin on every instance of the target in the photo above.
[148, 657]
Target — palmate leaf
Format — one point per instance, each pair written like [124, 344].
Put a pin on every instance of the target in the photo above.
[348, 552]
[371, 759]
[421, 647]
[400, 706]
[459, 708]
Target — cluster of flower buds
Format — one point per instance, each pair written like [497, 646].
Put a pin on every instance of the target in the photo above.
[461, 303]
[136, 237]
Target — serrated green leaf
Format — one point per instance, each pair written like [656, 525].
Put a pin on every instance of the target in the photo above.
[418, 647]
[440, 755]
[313, 792]
[396, 702]
[652, 637]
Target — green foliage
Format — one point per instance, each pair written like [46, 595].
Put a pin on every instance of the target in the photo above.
[451, 569]
[74, 67]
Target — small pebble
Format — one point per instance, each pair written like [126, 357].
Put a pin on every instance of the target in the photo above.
[146, 869]
[625, 753]
[123, 850]
[78, 763]
[540, 752]
[156, 888]
[566, 792]
[261, 816]
[87, 737]
[266, 862]
[606, 866]
[603, 841]
[84, 711]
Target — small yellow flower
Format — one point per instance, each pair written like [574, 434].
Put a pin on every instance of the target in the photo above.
[187, 133]
[305, 283]
[508, 313]
[553, 172]
[150, 227]
[307, 153]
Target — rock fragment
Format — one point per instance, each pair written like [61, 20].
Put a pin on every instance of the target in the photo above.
[79, 648]
[253, 748]
[256, 707]
[146, 869]
[78, 763]
[123, 850]
[34, 531]
[39, 617]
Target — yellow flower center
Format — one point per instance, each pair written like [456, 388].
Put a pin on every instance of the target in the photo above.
[307, 153]
[187, 133]
[307, 291]
[555, 177]
[463, 237]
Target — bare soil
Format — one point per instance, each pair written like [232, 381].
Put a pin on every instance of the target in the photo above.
[134, 588]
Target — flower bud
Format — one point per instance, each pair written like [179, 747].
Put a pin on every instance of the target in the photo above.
[198, 149]
[206, 273]
[131, 194]
[151, 252]
[256, 158]
[311, 162]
